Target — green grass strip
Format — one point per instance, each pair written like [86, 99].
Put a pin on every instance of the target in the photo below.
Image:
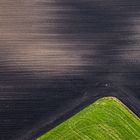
[106, 119]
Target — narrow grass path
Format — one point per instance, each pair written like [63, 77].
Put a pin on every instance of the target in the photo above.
[106, 119]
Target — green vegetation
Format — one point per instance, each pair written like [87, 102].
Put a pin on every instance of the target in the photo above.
[106, 119]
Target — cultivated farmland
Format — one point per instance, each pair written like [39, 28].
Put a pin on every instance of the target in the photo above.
[106, 119]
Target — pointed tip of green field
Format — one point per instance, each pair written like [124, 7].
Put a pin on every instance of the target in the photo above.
[106, 119]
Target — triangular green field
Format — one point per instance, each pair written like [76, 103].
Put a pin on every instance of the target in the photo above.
[106, 119]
